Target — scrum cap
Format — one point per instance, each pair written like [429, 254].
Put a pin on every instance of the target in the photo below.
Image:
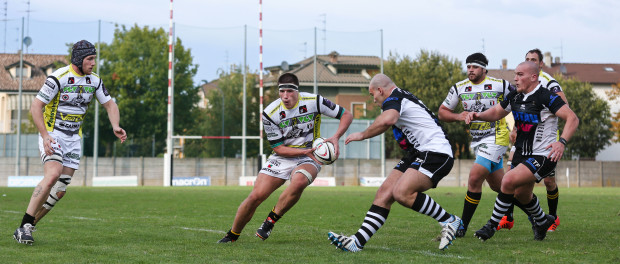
[81, 50]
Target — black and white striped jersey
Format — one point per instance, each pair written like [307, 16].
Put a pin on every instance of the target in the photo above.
[417, 128]
[535, 120]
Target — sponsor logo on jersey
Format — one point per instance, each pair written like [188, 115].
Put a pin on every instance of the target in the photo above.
[65, 97]
[73, 118]
[87, 80]
[71, 80]
[305, 119]
[69, 125]
[329, 104]
[50, 84]
[284, 123]
[525, 117]
[44, 96]
[468, 89]
[282, 115]
[488, 87]
[303, 109]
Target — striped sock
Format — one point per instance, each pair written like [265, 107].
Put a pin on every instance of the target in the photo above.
[424, 204]
[375, 218]
[472, 200]
[502, 203]
[533, 207]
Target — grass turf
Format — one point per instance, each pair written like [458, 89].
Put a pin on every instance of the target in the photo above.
[183, 224]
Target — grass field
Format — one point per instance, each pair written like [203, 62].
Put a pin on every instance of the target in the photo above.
[182, 225]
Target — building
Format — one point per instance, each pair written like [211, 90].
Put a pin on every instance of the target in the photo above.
[602, 77]
[36, 68]
[339, 78]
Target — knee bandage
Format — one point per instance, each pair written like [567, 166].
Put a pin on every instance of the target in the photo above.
[60, 186]
[307, 174]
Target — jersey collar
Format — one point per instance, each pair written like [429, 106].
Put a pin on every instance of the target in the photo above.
[74, 72]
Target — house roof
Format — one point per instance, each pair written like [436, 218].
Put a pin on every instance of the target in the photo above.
[304, 70]
[38, 62]
[604, 74]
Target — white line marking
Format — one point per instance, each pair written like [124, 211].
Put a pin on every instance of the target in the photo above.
[200, 229]
[427, 253]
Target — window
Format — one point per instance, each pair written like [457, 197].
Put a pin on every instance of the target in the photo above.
[609, 69]
[359, 109]
[350, 71]
[15, 71]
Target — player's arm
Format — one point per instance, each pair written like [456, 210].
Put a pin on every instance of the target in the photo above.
[345, 122]
[384, 121]
[490, 115]
[115, 117]
[572, 122]
[36, 110]
[447, 115]
[563, 96]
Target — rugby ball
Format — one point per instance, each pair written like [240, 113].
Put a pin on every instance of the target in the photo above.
[324, 152]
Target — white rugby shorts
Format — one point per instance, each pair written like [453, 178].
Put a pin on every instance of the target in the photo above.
[67, 147]
[282, 167]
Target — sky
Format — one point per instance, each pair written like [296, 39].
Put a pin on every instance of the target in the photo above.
[573, 30]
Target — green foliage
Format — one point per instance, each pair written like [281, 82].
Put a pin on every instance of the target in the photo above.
[135, 72]
[614, 94]
[209, 122]
[182, 225]
[429, 77]
[594, 131]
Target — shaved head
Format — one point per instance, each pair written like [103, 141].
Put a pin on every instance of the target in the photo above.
[529, 67]
[526, 76]
[381, 80]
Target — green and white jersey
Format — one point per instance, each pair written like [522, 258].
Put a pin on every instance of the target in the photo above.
[478, 98]
[299, 126]
[67, 96]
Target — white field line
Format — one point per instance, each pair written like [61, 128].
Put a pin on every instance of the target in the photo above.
[65, 216]
[200, 229]
[427, 253]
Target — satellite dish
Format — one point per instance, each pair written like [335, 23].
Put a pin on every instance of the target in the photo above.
[27, 41]
[284, 66]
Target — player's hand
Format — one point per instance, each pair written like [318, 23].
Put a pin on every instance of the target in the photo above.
[357, 136]
[471, 116]
[47, 145]
[513, 135]
[334, 141]
[557, 150]
[310, 153]
[463, 115]
[120, 133]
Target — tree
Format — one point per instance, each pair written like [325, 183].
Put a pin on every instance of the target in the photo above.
[210, 119]
[614, 94]
[429, 76]
[135, 72]
[594, 132]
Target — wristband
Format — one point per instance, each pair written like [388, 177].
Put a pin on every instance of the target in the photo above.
[563, 141]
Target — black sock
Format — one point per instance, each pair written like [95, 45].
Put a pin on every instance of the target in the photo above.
[234, 236]
[273, 216]
[511, 209]
[375, 218]
[472, 200]
[27, 219]
[552, 201]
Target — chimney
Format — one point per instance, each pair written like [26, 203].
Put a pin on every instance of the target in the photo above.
[547, 59]
[556, 60]
[504, 64]
[333, 57]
